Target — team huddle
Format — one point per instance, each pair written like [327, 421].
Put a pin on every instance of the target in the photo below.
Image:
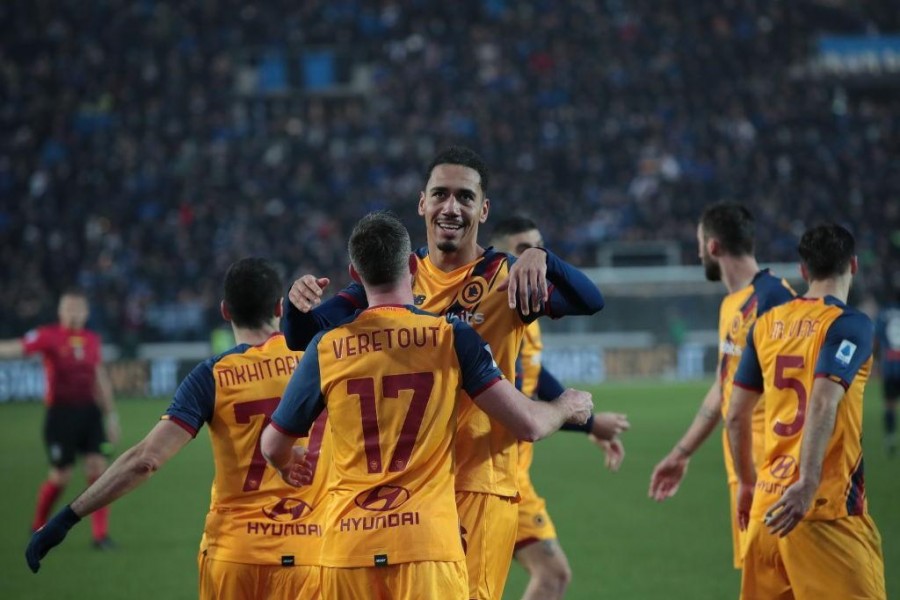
[379, 446]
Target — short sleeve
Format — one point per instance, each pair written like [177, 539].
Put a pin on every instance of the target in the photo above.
[479, 370]
[194, 400]
[847, 346]
[749, 373]
[302, 401]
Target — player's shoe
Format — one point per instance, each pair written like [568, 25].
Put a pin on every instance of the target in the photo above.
[103, 544]
[890, 444]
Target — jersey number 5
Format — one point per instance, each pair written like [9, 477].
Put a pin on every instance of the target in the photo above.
[791, 383]
[420, 384]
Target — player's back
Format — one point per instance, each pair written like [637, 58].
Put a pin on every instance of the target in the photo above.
[795, 343]
[390, 378]
[254, 516]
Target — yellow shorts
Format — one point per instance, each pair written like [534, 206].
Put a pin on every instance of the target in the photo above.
[818, 560]
[738, 537]
[404, 581]
[220, 579]
[535, 524]
[488, 525]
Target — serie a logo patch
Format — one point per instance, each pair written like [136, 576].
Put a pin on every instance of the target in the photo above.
[845, 352]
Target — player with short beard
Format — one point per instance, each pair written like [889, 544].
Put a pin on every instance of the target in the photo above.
[725, 246]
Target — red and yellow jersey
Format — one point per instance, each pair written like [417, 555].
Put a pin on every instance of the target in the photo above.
[254, 516]
[71, 358]
[737, 313]
[527, 380]
[390, 378]
[788, 348]
[486, 451]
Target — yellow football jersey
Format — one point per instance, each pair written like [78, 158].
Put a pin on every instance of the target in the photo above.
[254, 517]
[529, 371]
[789, 347]
[390, 378]
[737, 314]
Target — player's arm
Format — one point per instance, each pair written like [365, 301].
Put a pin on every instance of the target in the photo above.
[501, 400]
[305, 314]
[847, 346]
[570, 292]
[135, 466]
[603, 428]
[10, 349]
[106, 402]
[299, 407]
[668, 473]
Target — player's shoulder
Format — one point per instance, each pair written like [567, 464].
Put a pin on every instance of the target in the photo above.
[849, 315]
[771, 289]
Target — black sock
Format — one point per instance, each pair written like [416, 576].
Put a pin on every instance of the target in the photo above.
[890, 421]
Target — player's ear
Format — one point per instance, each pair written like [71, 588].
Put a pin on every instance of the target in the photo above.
[485, 209]
[804, 272]
[413, 264]
[354, 275]
[713, 247]
[279, 308]
[854, 265]
[422, 203]
[224, 310]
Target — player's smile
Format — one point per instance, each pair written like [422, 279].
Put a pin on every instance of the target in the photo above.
[453, 204]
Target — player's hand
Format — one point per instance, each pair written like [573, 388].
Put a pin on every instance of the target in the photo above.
[579, 405]
[48, 536]
[306, 292]
[784, 515]
[667, 476]
[608, 425]
[526, 285]
[744, 502]
[613, 449]
[112, 427]
[298, 472]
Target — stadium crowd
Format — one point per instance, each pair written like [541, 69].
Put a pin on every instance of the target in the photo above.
[145, 145]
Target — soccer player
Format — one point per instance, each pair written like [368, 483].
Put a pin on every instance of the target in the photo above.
[537, 547]
[809, 532]
[888, 343]
[390, 377]
[498, 296]
[262, 536]
[725, 239]
[81, 415]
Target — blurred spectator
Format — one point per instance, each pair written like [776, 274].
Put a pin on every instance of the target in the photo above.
[146, 144]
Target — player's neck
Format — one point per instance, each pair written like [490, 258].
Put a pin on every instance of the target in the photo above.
[379, 298]
[738, 271]
[254, 336]
[450, 261]
[839, 288]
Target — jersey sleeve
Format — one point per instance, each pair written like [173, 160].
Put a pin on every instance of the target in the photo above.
[775, 293]
[300, 327]
[479, 370]
[847, 346]
[571, 292]
[36, 340]
[749, 372]
[194, 400]
[302, 401]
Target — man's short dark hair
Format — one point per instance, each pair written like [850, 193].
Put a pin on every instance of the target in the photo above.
[379, 248]
[252, 289]
[461, 155]
[730, 223]
[513, 225]
[826, 250]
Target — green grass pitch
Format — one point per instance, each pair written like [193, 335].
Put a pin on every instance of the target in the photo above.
[620, 544]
